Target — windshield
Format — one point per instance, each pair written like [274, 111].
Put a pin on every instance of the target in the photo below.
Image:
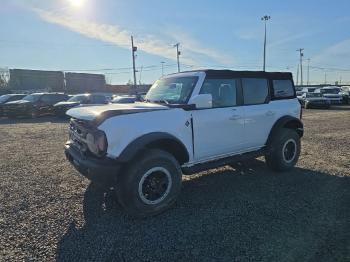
[174, 90]
[32, 98]
[330, 91]
[314, 95]
[78, 98]
[4, 98]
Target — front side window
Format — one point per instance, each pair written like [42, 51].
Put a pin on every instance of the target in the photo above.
[223, 91]
[255, 91]
[4, 98]
[283, 88]
[174, 90]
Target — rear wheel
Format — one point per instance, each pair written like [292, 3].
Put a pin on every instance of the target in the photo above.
[284, 150]
[150, 183]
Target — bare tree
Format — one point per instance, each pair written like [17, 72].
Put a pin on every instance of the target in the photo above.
[4, 77]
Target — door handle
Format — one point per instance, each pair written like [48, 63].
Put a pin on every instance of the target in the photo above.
[270, 113]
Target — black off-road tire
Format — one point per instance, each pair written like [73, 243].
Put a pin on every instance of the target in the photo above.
[132, 182]
[278, 158]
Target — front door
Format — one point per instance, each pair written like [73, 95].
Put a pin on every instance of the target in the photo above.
[218, 130]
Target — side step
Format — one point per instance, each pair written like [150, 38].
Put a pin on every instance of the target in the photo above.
[222, 162]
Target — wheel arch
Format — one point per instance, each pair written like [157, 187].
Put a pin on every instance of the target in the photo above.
[159, 140]
[286, 122]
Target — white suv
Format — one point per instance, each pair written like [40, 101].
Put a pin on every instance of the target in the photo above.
[189, 122]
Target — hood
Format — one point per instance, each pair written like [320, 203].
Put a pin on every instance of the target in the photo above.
[18, 102]
[100, 113]
[67, 104]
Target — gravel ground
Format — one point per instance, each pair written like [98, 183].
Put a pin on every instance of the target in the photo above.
[49, 212]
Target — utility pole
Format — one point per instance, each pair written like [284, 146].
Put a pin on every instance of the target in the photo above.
[325, 77]
[297, 74]
[162, 67]
[178, 53]
[308, 71]
[265, 19]
[300, 50]
[134, 49]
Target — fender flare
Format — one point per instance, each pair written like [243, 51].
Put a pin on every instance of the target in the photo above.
[140, 143]
[286, 122]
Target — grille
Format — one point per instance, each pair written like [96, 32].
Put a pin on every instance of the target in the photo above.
[77, 135]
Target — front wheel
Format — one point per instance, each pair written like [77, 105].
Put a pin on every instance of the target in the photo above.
[150, 183]
[284, 150]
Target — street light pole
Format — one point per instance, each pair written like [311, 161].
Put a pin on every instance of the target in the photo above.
[178, 53]
[162, 67]
[308, 71]
[300, 50]
[134, 49]
[265, 19]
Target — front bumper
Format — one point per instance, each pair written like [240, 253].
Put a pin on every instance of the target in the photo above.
[103, 170]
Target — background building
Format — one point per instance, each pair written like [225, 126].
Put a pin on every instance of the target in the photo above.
[83, 83]
[36, 80]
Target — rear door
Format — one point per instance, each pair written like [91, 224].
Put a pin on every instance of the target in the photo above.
[219, 130]
[259, 114]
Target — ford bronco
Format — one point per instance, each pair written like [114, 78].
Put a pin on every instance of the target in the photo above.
[188, 122]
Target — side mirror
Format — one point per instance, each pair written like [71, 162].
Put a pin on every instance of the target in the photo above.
[202, 101]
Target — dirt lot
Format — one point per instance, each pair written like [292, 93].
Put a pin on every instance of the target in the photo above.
[48, 211]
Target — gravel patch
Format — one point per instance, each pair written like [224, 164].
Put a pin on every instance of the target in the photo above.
[49, 212]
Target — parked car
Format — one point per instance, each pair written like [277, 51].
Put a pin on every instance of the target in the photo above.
[332, 93]
[8, 98]
[345, 93]
[308, 89]
[314, 100]
[124, 99]
[61, 108]
[189, 122]
[33, 105]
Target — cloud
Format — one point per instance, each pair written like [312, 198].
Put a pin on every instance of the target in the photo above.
[118, 36]
[337, 54]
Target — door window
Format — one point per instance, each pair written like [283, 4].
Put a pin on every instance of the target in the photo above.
[255, 91]
[223, 92]
[283, 88]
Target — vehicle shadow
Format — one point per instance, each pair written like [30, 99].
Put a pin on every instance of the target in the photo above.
[23, 120]
[248, 214]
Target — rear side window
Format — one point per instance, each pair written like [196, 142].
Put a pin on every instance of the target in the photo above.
[255, 91]
[53, 99]
[223, 91]
[98, 100]
[283, 89]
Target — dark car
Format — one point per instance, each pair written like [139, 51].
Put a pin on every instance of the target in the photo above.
[33, 105]
[61, 108]
[8, 98]
[314, 100]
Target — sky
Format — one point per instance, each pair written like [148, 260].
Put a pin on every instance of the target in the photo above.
[93, 36]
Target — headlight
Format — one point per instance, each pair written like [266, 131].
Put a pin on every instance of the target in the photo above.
[97, 142]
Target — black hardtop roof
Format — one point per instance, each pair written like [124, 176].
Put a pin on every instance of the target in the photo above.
[251, 74]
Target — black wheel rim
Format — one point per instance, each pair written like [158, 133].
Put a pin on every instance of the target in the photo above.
[289, 150]
[155, 185]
